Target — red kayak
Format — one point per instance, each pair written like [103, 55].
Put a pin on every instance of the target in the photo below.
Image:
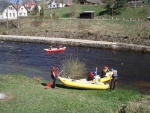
[61, 49]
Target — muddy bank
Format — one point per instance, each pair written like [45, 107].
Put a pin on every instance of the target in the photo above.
[84, 35]
[77, 42]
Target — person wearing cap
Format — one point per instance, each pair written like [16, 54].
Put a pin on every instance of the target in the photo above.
[114, 79]
[54, 73]
[104, 71]
[91, 75]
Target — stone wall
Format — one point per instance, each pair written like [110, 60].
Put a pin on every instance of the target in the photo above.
[77, 42]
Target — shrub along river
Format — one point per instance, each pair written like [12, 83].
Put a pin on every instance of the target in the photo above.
[30, 60]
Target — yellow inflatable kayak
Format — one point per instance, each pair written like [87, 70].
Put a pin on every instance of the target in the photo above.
[106, 78]
[83, 84]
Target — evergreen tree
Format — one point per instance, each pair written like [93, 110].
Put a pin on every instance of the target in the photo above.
[42, 11]
[114, 7]
[36, 10]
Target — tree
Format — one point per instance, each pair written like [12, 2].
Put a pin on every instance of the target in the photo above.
[42, 11]
[114, 7]
[36, 10]
[119, 6]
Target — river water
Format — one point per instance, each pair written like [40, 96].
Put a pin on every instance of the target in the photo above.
[30, 60]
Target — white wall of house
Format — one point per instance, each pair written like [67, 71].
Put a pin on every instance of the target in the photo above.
[22, 11]
[9, 13]
[52, 5]
[61, 5]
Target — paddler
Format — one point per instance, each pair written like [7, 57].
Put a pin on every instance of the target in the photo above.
[104, 71]
[54, 73]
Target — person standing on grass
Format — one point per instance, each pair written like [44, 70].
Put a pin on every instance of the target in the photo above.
[114, 79]
[54, 73]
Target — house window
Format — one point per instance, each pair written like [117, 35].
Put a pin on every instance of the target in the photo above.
[53, 5]
[6, 14]
[24, 14]
[10, 8]
[21, 8]
[20, 14]
[13, 14]
[10, 14]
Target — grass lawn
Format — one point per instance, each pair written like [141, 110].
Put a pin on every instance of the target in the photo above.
[74, 11]
[27, 95]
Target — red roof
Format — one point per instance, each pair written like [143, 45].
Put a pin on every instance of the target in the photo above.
[29, 4]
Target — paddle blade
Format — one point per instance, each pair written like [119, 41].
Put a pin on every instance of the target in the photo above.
[48, 85]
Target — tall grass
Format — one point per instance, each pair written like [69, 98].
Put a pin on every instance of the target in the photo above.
[73, 67]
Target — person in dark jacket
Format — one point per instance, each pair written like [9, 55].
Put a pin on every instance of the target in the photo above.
[54, 73]
[113, 80]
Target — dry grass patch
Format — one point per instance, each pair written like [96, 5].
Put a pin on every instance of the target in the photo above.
[139, 106]
[6, 97]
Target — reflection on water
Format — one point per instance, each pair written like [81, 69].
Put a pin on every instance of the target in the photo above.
[31, 60]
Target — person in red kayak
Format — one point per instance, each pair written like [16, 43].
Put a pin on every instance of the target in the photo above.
[54, 73]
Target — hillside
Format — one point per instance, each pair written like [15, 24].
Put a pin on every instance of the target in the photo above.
[134, 31]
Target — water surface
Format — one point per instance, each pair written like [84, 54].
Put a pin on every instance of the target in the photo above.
[31, 60]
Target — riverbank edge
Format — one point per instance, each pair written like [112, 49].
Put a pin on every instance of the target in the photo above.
[77, 42]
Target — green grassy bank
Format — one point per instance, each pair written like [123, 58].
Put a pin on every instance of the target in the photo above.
[27, 95]
[74, 12]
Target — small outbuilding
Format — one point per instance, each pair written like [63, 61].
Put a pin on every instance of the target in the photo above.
[148, 18]
[87, 14]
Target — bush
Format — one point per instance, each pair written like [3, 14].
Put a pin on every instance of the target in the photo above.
[73, 68]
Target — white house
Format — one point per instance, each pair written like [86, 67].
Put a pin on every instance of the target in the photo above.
[52, 4]
[31, 5]
[59, 3]
[8, 11]
[22, 11]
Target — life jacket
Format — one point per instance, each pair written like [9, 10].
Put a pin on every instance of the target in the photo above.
[56, 72]
[53, 71]
[103, 72]
[90, 76]
[115, 75]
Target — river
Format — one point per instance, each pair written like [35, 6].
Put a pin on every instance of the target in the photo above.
[30, 60]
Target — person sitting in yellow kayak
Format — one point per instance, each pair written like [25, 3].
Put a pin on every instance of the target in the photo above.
[91, 75]
[104, 71]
